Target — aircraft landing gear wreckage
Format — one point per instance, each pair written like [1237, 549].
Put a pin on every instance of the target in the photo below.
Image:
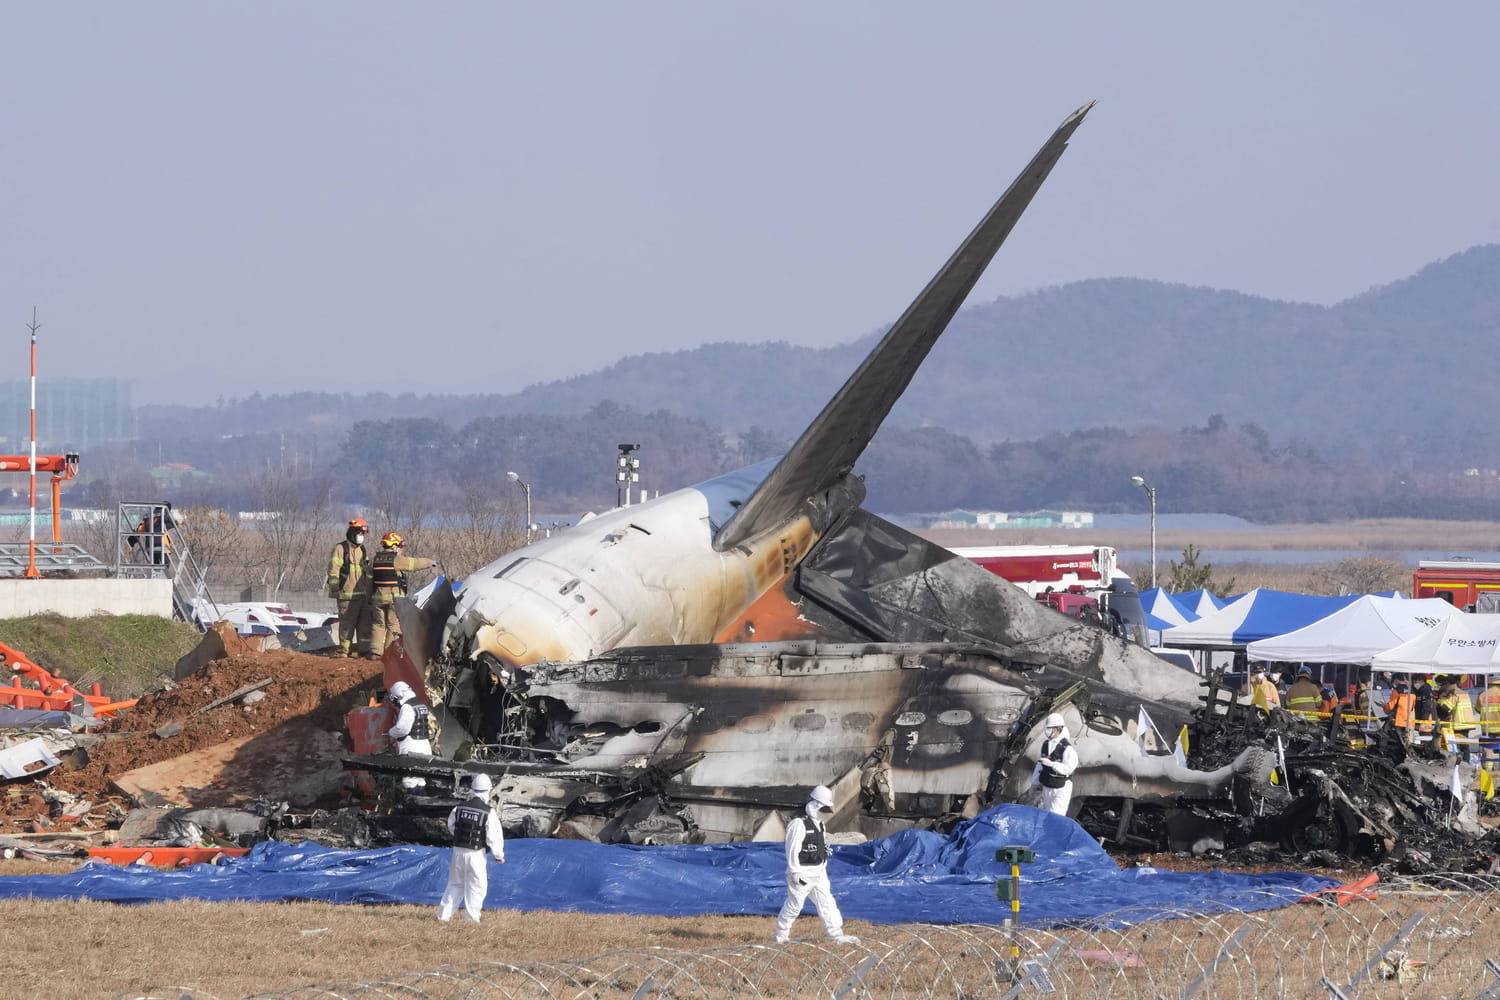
[684, 669]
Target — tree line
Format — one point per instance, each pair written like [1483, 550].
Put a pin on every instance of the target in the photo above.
[418, 467]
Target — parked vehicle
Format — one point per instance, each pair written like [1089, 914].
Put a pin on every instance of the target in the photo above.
[1460, 580]
[1082, 581]
[262, 618]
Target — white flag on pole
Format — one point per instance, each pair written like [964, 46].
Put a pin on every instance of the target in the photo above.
[1455, 786]
[1143, 725]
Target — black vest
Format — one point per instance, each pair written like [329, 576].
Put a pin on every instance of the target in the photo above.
[814, 848]
[1050, 778]
[421, 727]
[1426, 704]
[469, 824]
[383, 574]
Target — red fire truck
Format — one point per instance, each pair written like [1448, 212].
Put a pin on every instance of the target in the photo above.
[1081, 581]
[1038, 568]
[1460, 579]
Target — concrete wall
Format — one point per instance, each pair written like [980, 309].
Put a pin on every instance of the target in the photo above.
[81, 598]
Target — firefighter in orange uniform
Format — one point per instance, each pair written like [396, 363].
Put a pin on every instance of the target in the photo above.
[1401, 708]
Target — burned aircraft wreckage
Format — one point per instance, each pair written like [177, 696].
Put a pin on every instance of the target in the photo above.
[684, 669]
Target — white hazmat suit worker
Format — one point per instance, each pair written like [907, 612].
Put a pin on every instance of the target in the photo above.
[807, 871]
[412, 732]
[477, 837]
[1055, 765]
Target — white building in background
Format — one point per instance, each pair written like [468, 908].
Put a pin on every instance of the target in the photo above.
[997, 520]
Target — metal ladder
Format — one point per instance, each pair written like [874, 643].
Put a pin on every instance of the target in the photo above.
[149, 542]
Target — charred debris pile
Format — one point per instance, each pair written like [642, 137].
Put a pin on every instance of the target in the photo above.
[1318, 792]
[1315, 793]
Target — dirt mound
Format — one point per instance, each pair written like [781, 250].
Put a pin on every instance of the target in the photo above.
[315, 689]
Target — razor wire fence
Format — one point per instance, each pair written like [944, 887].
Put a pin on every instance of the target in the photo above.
[1436, 939]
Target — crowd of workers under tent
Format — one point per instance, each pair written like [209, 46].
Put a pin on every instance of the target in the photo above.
[1420, 667]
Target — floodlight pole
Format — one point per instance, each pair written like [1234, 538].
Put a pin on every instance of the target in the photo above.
[32, 573]
[627, 471]
[526, 489]
[1151, 495]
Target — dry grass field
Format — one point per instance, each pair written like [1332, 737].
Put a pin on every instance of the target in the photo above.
[228, 951]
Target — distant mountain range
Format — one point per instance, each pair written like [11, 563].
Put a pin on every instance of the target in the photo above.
[1400, 375]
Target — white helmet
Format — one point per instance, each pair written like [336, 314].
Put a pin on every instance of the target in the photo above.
[822, 796]
[400, 691]
[1054, 721]
[480, 783]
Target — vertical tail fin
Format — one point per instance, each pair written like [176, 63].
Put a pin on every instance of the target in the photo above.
[833, 442]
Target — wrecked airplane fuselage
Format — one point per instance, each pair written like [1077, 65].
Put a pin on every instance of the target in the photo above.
[685, 668]
[722, 736]
[594, 648]
[718, 742]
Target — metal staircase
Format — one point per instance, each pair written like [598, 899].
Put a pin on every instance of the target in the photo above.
[149, 542]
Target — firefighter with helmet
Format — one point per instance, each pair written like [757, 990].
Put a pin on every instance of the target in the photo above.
[413, 730]
[387, 581]
[1055, 765]
[1305, 696]
[346, 570]
[807, 870]
[475, 826]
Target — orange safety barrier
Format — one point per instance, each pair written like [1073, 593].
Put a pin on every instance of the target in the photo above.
[367, 734]
[51, 692]
[1341, 895]
[166, 857]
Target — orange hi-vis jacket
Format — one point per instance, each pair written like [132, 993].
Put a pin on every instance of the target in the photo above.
[1402, 705]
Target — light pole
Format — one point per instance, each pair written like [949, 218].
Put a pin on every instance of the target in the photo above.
[627, 471]
[525, 488]
[1151, 494]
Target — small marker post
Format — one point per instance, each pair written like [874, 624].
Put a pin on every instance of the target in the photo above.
[1009, 890]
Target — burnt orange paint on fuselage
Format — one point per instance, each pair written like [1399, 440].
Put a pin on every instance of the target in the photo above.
[774, 616]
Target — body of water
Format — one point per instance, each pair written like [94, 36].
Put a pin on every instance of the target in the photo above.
[1297, 557]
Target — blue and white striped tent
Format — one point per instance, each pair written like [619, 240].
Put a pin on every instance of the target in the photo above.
[1163, 612]
[1166, 608]
[1259, 614]
[1201, 602]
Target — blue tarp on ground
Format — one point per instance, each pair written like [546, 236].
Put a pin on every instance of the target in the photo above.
[911, 876]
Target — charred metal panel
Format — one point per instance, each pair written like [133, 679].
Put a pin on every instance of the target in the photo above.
[881, 582]
[803, 716]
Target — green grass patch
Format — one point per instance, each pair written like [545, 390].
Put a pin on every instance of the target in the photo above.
[123, 653]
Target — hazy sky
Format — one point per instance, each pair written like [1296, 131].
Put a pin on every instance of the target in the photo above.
[217, 199]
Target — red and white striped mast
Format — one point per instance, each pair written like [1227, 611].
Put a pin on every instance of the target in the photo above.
[31, 570]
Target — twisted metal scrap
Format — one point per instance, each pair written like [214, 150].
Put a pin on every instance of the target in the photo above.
[1287, 953]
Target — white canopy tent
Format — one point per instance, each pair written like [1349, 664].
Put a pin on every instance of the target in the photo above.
[1463, 644]
[1356, 632]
